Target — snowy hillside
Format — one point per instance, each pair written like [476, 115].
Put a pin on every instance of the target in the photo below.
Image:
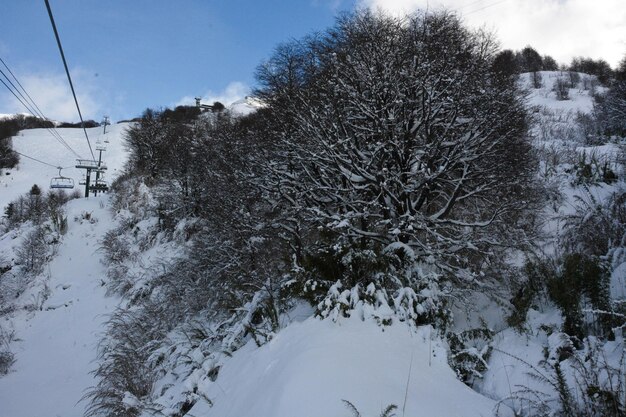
[311, 367]
[581, 185]
[56, 333]
[55, 323]
[40, 144]
[360, 351]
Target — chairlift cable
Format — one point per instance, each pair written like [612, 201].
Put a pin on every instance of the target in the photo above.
[34, 113]
[40, 161]
[52, 130]
[16, 96]
[67, 72]
[485, 7]
[465, 6]
[21, 86]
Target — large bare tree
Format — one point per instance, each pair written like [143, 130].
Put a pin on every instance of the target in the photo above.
[395, 130]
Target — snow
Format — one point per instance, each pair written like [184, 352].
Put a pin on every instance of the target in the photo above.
[580, 100]
[12, 115]
[245, 106]
[57, 345]
[311, 366]
[57, 336]
[520, 356]
[40, 144]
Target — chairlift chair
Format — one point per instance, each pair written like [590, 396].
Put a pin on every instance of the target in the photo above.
[100, 185]
[61, 181]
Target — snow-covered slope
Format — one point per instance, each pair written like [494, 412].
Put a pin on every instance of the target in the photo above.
[522, 363]
[311, 367]
[41, 145]
[59, 316]
[580, 99]
[56, 344]
[245, 106]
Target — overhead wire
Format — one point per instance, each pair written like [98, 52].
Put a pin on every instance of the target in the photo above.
[42, 162]
[13, 92]
[485, 7]
[31, 106]
[465, 6]
[20, 84]
[69, 77]
[33, 112]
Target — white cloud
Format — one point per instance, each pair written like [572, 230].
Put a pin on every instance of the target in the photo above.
[234, 91]
[331, 4]
[51, 92]
[560, 28]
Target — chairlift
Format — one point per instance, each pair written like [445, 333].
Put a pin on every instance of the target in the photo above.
[82, 181]
[100, 185]
[61, 181]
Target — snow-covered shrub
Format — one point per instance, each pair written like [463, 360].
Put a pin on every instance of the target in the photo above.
[469, 353]
[610, 109]
[580, 279]
[590, 129]
[537, 80]
[572, 282]
[38, 208]
[7, 358]
[561, 89]
[529, 290]
[591, 169]
[402, 291]
[34, 251]
[56, 213]
[597, 227]
[388, 411]
[586, 383]
[578, 284]
[123, 372]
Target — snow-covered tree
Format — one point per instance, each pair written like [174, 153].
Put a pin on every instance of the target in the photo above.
[395, 130]
[610, 108]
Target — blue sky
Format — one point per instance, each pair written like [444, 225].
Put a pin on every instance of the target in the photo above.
[129, 55]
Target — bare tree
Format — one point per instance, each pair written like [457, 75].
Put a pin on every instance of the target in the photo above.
[399, 133]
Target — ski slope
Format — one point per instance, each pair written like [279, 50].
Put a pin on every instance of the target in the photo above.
[41, 145]
[56, 335]
[56, 345]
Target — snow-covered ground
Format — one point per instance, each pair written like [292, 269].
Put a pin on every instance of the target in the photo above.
[60, 316]
[580, 99]
[56, 345]
[519, 366]
[310, 367]
[41, 145]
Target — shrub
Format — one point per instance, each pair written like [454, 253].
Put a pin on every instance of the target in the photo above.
[33, 254]
[561, 88]
[7, 358]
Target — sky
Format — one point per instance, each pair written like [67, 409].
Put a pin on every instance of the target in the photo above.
[125, 56]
